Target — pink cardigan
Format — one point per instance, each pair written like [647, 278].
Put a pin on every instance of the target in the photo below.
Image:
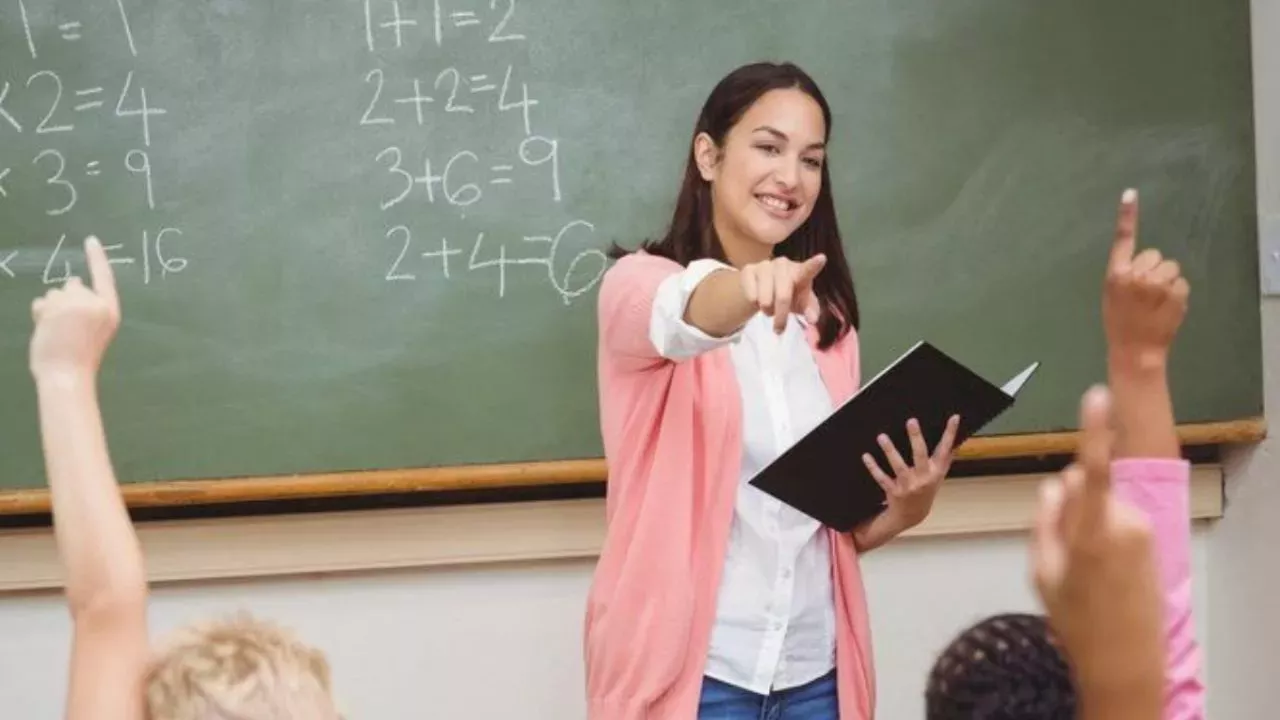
[673, 441]
[1161, 489]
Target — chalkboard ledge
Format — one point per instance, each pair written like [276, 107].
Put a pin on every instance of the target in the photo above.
[426, 537]
[196, 493]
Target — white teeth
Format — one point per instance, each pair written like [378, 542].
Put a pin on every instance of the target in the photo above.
[773, 202]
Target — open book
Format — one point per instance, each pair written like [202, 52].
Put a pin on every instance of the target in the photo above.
[823, 475]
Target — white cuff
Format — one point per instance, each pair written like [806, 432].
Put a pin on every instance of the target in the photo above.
[674, 338]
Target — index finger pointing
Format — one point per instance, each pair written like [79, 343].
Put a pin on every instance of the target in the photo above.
[1094, 454]
[1126, 238]
[810, 268]
[100, 273]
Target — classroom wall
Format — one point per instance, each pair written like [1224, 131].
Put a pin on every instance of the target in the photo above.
[1244, 565]
[503, 641]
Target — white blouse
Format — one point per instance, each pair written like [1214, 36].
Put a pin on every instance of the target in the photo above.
[775, 616]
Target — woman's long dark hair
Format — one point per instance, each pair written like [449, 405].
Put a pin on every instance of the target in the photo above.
[692, 234]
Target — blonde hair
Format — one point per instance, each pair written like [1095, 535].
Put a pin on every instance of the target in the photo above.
[239, 668]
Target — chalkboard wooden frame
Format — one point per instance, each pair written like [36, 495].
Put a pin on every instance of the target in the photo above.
[193, 493]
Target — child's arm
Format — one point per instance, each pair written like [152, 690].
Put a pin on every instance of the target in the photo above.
[1144, 304]
[105, 580]
[1158, 488]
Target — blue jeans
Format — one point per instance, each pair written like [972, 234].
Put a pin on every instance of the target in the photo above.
[813, 701]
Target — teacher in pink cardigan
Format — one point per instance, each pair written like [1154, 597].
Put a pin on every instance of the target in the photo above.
[721, 344]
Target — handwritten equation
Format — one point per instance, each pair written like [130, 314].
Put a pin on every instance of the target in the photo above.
[412, 88]
[461, 179]
[542, 251]
[43, 105]
[43, 83]
[448, 181]
[497, 26]
[456, 92]
[154, 260]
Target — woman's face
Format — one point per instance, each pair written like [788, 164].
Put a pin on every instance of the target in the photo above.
[767, 176]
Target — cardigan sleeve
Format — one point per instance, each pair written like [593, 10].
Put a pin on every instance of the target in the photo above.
[625, 308]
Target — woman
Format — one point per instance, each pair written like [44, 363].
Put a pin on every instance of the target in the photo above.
[720, 345]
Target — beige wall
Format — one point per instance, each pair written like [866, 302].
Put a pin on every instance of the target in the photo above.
[1244, 565]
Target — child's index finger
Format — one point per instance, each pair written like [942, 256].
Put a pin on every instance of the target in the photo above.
[1094, 454]
[100, 274]
[1126, 238]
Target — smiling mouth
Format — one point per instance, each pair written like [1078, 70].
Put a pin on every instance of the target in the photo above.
[777, 206]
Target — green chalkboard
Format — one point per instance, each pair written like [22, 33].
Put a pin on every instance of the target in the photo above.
[367, 234]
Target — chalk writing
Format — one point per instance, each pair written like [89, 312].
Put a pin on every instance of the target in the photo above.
[44, 126]
[90, 104]
[70, 31]
[45, 104]
[387, 17]
[529, 154]
[142, 109]
[394, 274]
[451, 105]
[398, 22]
[50, 279]
[157, 260]
[375, 75]
[48, 85]
[56, 179]
[4, 114]
[128, 31]
[452, 140]
[582, 273]
[533, 152]
[500, 33]
[443, 253]
[152, 250]
[137, 161]
[26, 28]
[457, 92]
[457, 178]
[417, 99]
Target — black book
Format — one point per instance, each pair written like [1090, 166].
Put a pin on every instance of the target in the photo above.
[823, 476]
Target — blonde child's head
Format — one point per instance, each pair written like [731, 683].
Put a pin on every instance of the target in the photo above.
[239, 668]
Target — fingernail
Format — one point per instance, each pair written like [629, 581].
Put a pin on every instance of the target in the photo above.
[1129, 196]
[1051, 490]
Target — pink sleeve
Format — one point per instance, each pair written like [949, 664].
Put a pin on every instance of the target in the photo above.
[625, 307]
[1160, 488]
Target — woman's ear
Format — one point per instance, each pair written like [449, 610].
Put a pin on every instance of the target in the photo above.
[707, 155]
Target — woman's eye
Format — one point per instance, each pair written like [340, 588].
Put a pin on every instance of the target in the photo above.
[814, 163]
[769, 149]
